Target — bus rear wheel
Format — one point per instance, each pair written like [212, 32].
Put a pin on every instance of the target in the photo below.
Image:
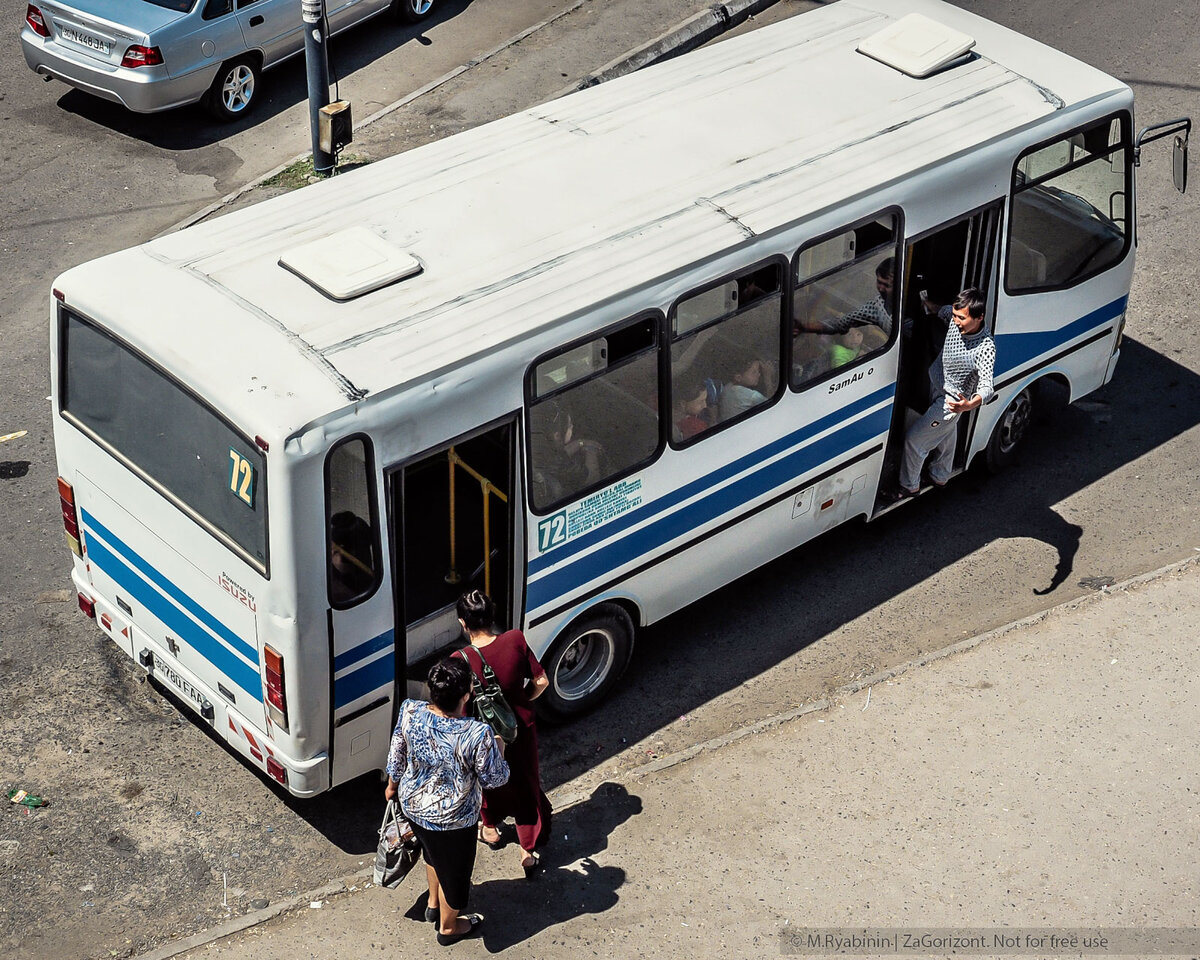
[585, 662]
[1010, 431]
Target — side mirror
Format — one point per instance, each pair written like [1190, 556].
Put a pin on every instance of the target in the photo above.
[1179, 163]
[1178, 155]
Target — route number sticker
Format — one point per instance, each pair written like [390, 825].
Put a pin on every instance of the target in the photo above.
[241, 477]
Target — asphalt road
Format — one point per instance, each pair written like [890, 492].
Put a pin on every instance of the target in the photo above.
[150, 817]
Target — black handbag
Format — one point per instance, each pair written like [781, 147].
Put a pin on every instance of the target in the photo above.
[398, 850]
[489, 703]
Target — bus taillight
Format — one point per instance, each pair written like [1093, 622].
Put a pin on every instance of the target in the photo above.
[277, 770]
[276, 701]
[66, 500]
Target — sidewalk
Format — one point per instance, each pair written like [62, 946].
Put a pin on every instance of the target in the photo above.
[1044, 778]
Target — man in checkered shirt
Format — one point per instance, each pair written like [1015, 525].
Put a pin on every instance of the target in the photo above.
[960, 380]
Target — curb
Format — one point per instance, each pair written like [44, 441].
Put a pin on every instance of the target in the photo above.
[693, 32]
[688, 35]
[578, 791]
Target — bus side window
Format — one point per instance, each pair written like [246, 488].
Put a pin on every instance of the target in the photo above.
[845, 299]
[725, 351]
[1069, 216]
[352, 532]
[593, 413]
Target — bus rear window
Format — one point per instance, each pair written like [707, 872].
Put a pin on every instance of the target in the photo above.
[167, 435]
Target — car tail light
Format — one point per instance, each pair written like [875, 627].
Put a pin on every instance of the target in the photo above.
[276, 700]
[88, 606]
[277, 770]
[37, 23]
[66, 500]
[139, 56]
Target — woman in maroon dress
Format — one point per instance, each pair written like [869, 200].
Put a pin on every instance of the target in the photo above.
[522, 681]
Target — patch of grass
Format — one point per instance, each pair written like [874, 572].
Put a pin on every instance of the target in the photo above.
[301, 173]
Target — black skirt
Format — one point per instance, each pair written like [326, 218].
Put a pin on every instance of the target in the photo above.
[451, 853]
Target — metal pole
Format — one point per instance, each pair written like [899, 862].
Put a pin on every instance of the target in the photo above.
[317, 64]
[452, 576]
[487, 538]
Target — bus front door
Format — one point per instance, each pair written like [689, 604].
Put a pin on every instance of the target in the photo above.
[938, 264]
[454, 513]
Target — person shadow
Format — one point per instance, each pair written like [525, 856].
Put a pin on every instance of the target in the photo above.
[571, 882]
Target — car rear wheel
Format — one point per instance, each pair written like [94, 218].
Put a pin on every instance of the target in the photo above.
[412, 11]
[233, 90]
[585, 662]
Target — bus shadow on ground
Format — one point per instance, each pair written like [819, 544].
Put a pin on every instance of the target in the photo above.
[756, 623]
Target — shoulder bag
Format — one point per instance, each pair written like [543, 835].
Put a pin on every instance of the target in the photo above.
[490, 705]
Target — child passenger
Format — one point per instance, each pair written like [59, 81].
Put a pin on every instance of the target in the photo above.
[848, 346]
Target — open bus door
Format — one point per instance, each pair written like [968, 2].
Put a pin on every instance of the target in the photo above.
[454, 512]
[361, 639]
[937, 265]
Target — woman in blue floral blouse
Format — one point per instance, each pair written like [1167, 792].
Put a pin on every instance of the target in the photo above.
[439, 763]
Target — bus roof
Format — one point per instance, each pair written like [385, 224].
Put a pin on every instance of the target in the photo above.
[531, 219]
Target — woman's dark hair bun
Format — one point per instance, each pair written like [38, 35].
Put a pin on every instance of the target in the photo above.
[477, 610]
[449, 680]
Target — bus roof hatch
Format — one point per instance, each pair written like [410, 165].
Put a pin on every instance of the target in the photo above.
[917, 45]
[349, 263]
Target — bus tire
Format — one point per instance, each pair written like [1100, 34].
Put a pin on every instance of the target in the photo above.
[1010, 430]
[585, 661]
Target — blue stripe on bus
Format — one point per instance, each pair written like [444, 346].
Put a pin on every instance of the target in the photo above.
[378, 673]
[574, 575]
[572, 547]
[1012, 350]
[175, 619]
[1015, 349]
[171, 590]
[363, 650]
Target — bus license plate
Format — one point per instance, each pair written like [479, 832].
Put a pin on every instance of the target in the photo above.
[162, 668]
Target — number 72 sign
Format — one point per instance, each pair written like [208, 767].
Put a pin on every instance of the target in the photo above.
[241, 477]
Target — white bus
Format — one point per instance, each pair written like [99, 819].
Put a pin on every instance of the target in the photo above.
[586, 357]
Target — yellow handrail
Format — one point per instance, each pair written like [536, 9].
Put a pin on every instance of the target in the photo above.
[487, 488]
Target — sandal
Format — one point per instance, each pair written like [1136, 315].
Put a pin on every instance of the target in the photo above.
[533, 868]
[498, 844]
[447, 939]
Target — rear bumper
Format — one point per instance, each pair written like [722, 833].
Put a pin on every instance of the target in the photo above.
[305, 778]
[142, 90]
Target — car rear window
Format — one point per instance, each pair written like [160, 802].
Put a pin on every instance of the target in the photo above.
[182, 6]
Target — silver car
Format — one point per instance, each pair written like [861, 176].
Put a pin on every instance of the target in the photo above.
[153, 55]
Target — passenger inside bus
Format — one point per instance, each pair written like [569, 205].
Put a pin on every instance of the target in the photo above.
[562, 463]
[848, 346]
[350, 571]
[747, 388]
[692, 414]
[875, 312]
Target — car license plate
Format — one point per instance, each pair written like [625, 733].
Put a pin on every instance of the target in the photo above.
[164, 669]
[82, 39]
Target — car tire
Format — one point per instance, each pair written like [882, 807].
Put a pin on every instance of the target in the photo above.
[586, 660]
[1010, 430]
[234, 89]
[411, 11]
